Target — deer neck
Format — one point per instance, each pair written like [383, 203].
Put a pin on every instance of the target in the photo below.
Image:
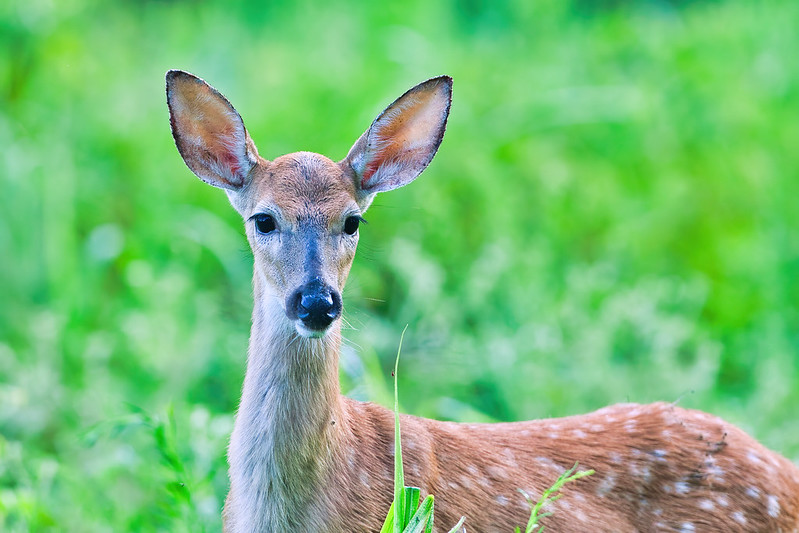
[288, 424]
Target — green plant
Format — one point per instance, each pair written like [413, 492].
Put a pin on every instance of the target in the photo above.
[406, 515]
[550, 495]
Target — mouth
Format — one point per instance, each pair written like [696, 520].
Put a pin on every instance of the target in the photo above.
[309, 333]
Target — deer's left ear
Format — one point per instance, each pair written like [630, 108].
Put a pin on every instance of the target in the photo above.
[403, 139]
[209, 132]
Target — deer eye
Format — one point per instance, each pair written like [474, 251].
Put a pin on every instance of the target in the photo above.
[264, 223]
[351, 224]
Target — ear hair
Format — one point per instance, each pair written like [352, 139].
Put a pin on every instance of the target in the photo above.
[209, 132]
[403, 139]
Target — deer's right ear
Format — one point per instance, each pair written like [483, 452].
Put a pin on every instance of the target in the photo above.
[209, 132]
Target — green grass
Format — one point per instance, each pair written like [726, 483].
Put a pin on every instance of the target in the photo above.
[549, 496]
[611, 217]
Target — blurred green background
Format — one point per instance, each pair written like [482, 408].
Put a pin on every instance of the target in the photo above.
[612, 217]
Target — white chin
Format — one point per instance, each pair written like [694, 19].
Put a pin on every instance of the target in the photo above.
[309, 333]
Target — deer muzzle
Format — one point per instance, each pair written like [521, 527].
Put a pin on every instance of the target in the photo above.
[314, 306]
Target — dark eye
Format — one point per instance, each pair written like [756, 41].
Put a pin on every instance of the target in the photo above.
[265, 223]
[351, 225]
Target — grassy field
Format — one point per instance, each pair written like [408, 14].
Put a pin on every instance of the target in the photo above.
[612, 217]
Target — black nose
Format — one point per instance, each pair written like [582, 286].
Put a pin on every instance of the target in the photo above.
[316, 304]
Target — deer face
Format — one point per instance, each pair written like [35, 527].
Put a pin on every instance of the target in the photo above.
[302, 211]
[302, 218]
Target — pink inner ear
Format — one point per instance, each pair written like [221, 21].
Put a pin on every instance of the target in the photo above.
[232, 162]
[404, 138]
[369, 170]
[209, 133]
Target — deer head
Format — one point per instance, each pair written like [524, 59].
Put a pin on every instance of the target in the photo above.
[302, 210]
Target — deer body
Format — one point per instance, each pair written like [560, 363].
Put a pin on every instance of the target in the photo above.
[303, 458]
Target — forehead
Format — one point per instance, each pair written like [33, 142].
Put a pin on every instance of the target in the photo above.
[303, 184]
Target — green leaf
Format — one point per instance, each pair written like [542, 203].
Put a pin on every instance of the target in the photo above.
[411, 504]
[550, 495]
[459, 526]
[399, 476]
[388, 525]
[422, 519]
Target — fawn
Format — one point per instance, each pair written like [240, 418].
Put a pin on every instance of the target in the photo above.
[304, 458]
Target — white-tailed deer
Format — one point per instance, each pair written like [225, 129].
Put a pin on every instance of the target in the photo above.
[303, 458]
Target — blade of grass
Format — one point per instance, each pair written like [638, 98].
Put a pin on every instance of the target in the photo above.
[399, 475]
[458, 527]
[422, 519]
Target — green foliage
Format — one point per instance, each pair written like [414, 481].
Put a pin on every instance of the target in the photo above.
[611, 217]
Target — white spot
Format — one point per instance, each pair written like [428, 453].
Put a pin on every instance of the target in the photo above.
[472, 470]
[453, 486]
[549, 463]
[707, 505]
[753, 492]
[666, 434]
[553, 435]
[510, 458]
[681, 487]
[660, 455]
[580, 434]
[497, 472]
[739, 517]
[614, 457]
[606, 485]
[525, 433]
[629, 426]
[714, 470]
[773, 505]
[596, 428]
[632, 413]
[502, 500]
[753, 457]
[687, 527]
[364, 478]
[657, 512]
[723, 501]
